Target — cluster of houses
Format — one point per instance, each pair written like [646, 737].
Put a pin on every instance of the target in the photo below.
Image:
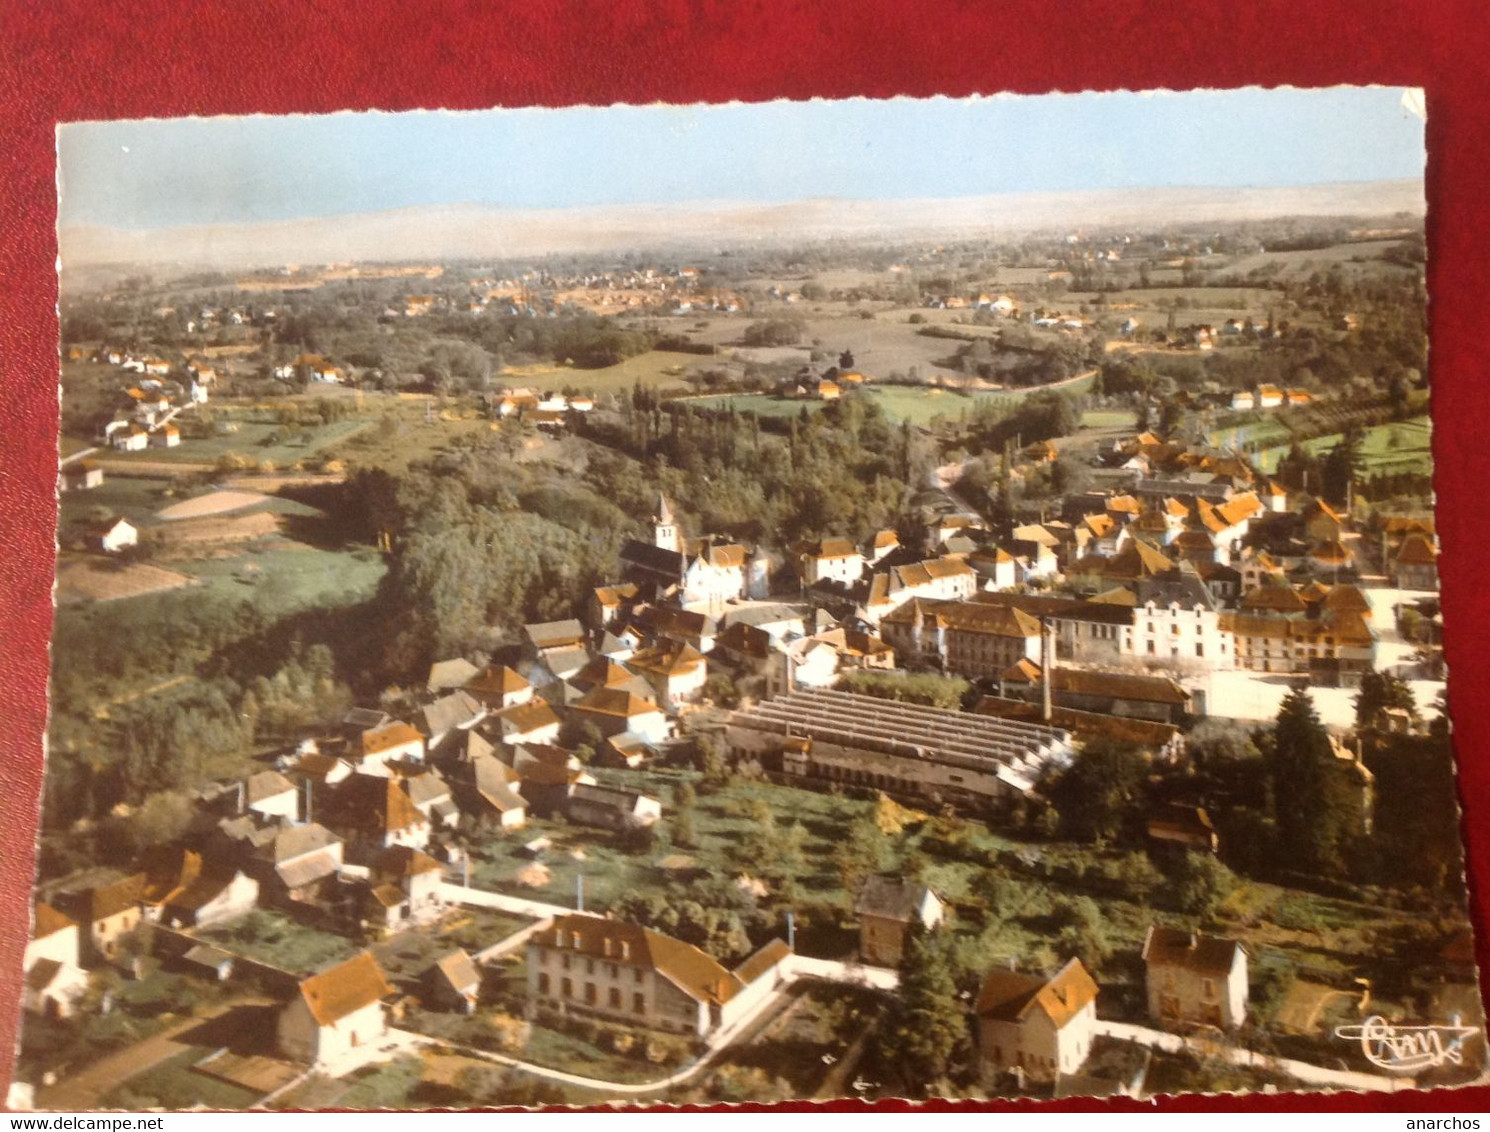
[1268, 397]
[828, 386]
[1040, 1027]
[1201, 563]
[982, 301]
[547, 411]
[1036, 1027]
[542, 293]
[150, 407]
[315, 369]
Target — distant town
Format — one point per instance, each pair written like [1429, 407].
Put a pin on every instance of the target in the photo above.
[854, 669]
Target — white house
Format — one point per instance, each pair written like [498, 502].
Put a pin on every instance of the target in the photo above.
[114, 535]
[406, 885]
[615, 710]
[271, 795]
[883, 543]
[1039, 1027]
[372, 813]
[814, 663]
[947, 578]
[82, 476]
[677, 672]
[394, 741]
[1195, 978]
[715, 573]
[829, 559]
[54, 979]
[1175, 619]
[611, 808]
[184, 890]
[995, 567]
[131, 438]
[500, 687]
[336, 1014]
[530, 722]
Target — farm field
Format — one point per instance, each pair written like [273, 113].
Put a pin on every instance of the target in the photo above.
[663, 369]
[99, 579]
[1302, 263]
[917, 404]
[407, 439]
[295, 574]
[1150, 306]
[1109, 418]
[883, 345]
[1401, 446]
[1263, 432]
[251, 440]
[127, 497]
[211, 503]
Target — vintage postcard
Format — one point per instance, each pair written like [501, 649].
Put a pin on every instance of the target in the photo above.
[794, 601]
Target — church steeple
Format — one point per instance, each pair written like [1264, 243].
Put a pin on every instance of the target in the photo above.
[665, 526]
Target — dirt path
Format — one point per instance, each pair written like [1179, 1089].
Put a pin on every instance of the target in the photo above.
[81, 1093]
[164, 685]
[152, 469]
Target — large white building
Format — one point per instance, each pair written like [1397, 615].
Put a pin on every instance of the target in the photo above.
[606, 968]
[1175, 619]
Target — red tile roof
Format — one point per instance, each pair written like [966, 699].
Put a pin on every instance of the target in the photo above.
[333, 994]
[1011, 997]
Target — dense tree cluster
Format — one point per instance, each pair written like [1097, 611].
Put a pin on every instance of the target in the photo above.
[842, 471]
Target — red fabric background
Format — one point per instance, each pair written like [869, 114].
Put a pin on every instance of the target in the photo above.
[64, 60]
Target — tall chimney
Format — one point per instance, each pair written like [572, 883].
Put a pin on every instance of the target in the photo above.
[1047, 657]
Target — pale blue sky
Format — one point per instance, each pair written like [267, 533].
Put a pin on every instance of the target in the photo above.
[218, 170]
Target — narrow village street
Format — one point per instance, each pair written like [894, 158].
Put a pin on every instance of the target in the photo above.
[1316, 1075]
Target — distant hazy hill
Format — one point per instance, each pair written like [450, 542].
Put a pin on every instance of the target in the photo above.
[467, 230]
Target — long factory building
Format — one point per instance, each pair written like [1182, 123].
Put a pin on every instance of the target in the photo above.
[910, 750]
